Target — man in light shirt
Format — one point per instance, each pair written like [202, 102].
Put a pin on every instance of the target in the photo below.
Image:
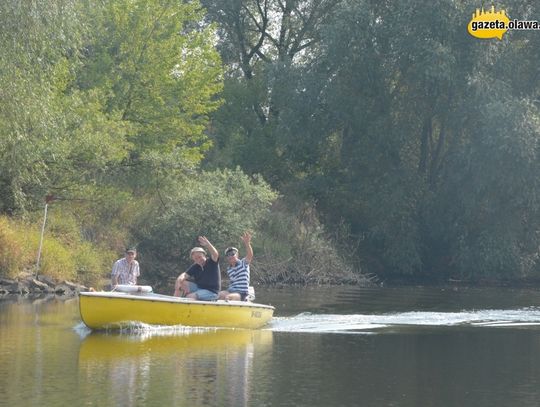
[126, 269]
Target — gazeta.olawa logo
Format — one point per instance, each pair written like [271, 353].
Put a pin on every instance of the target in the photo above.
[488, 24]
[494, 24]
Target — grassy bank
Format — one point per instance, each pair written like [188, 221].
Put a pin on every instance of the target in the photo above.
[65, 254]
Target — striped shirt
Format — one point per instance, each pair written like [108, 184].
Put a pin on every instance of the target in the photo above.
[127, 273]
[239, 277]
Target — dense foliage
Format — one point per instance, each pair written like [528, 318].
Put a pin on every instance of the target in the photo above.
[397, 143]
[423, 140]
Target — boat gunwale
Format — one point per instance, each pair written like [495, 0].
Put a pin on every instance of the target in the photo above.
[153, 297]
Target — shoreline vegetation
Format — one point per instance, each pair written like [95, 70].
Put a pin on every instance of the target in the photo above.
[31, 286]
[68, 261]
[351, 155]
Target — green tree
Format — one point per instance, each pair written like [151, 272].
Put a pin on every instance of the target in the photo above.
[417, 108]
[102, 115]
[134, 89]
[406, 128]
[158, 71]
[32, 64]
[263, 42]
[155, 71]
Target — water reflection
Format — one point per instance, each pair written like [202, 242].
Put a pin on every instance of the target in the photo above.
[202, 367]
[36, 343]
[325, 347]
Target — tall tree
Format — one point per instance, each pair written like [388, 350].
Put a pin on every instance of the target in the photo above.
[38, 47]
[390, 123]
[86, 105]
[263, 42]
[415, 110]
[156, 65]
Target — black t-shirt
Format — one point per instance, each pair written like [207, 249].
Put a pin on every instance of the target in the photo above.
[207, 277]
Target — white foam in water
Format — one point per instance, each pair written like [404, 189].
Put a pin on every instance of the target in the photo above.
[82, 330]
[142, 331]
[159, 330]
[353, 324]
[360, 323]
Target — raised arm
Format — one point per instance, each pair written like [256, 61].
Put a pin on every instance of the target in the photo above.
[246, 238]
[214, 254]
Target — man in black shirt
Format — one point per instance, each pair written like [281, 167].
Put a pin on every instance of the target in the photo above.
[202, 280]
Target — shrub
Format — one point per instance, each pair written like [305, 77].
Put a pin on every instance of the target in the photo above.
[65, 255]
[57, 261]
[296, 249]
[11, 250]
[92, 264]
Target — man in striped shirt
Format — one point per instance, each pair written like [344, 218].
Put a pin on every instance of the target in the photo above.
[238, 271]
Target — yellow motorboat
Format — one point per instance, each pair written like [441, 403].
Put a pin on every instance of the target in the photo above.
[105, 310]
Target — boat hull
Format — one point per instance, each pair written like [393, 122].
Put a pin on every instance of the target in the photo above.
[104, 310]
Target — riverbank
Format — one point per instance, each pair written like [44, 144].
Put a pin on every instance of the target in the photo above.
[29, 284]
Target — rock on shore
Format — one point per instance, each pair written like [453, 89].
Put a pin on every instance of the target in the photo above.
[28, 284]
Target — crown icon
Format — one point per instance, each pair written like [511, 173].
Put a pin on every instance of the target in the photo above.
[491, 13]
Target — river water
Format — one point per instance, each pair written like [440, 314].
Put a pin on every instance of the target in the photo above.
[340, 346]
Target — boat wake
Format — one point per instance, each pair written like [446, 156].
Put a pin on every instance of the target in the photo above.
[370, 324]
[140, 331]
[523, 318]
